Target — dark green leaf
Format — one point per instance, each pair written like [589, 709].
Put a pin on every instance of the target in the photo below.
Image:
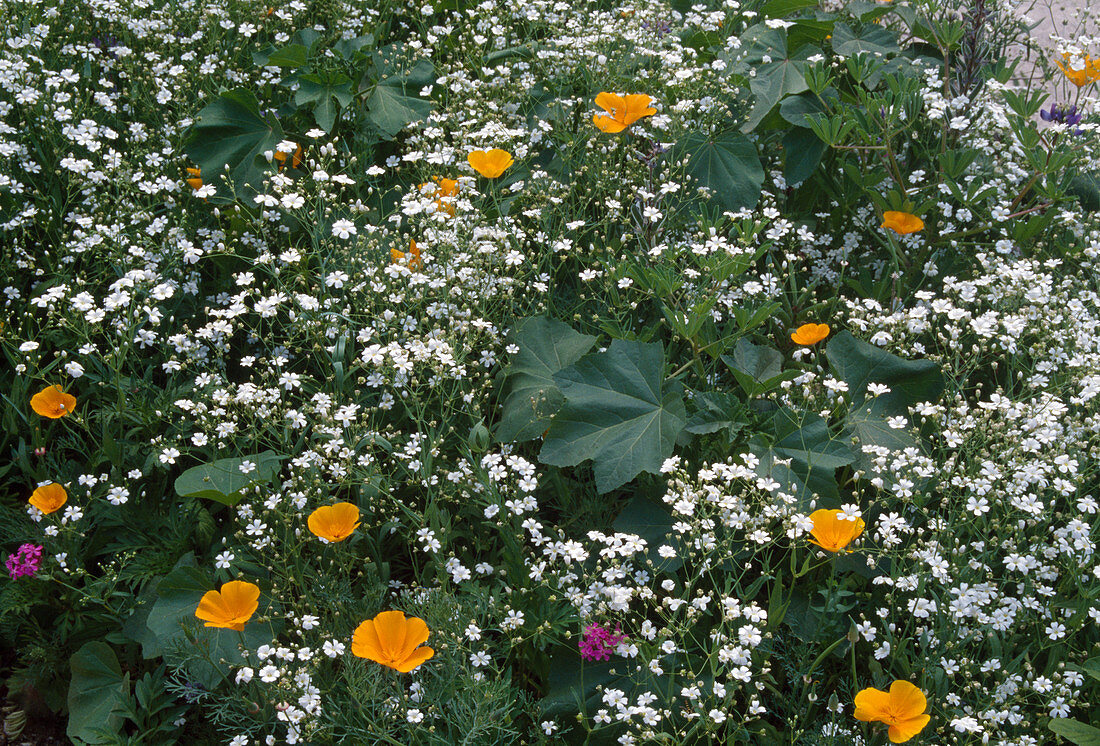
[231, 131]
[779, 73]
[795, 109]
[1086, 188]
[292, 56]
[347, 48]
[395, 102]
[785, 8]
[97, 688]
[653, 523]
[803, 150]
[223, 480]
[728, 165]
[1075, 731]
[858, 363]
[1091, 667]
[323, 94]
[531, 396]
[715, 411]
[802, 456]
[773, 81]
[872, 40]
[758, 369]
[618, 412]
[868, 424]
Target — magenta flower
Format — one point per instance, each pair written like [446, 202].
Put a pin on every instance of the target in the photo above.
[599, 641]
[25, 561]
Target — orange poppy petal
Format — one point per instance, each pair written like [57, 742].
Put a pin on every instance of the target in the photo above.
[607, 124]
[417, 657]
[365, 642]
[241, 598]
[53, 402]
[903, 730]
[318, 523]
[907, 700]
[416, 633]
[610, 102]
[49, 498]
[871, 705]
[212, 609]
[390, 626]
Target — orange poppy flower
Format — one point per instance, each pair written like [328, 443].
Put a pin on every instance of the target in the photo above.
[334, 523]
[810, 334]
[444, 188]
[194, 179]
[49, 498]
[53, 402]
[832, 534]
[902, 708]
[1080, 78]
[490, 164]
[230, 607]
[901, 223]
[296, 161]
[392, 640]
[624, 110]
[414, 255]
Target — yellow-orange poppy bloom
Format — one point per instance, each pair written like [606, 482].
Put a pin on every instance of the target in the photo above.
[624, 110]
[1088, 73]
[296, 161]
[490, 164]
[445, 188]
[901, 223]
[334, 522]
[230, 607]
[831, 533]
[53, 402]
[413, 254]
[392, 640]
[902, 708]
[194, 179]
[810, 334]
[49, 497]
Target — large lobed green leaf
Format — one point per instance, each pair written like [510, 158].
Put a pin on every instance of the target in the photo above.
[1075, 731]
[231, 131]
[174, 627]
[780, 70]
[531, 396]
[859, 363]
[618, 412]
[801, 454]
[727, 164]
[223, 481]
[395, 101]
[96, 689]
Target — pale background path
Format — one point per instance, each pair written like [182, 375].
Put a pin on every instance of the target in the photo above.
[1065, 18]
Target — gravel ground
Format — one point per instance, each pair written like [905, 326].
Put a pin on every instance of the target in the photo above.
[1069, 19]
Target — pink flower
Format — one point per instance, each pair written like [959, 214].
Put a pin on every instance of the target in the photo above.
[25, 561]
[599, 641]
